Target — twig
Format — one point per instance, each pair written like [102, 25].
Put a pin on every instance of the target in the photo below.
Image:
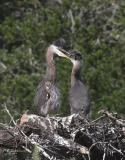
[94, 144]
[97, 119]
[5, 128]
[35, 143]
[72, 21]
[116, 150]
[5, 107]
[104, 154]
[118, 122]
[26, 149]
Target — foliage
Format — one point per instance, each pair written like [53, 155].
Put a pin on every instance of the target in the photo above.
[96, 28]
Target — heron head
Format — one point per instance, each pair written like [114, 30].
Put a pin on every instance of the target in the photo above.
[75, 57]
[60, 43]
[59, 51]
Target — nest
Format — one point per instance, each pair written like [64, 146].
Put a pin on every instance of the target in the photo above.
[68, 137]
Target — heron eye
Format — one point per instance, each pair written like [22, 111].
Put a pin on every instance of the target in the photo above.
[75, 57]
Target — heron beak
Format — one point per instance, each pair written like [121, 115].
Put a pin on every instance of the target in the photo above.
[60, 52]
[65, 53]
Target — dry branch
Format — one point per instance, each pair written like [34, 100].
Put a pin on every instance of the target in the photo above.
[67, 137]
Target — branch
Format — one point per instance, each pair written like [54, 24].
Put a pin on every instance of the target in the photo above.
[67, 137]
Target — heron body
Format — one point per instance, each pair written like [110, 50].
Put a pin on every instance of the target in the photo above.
[47, 97]
[78, 94]
[78, 97]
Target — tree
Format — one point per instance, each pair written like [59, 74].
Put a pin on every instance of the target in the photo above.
[94, 27]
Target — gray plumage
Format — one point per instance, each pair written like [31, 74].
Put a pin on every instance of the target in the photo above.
[47, 97]
[79, 99]
[78, 94]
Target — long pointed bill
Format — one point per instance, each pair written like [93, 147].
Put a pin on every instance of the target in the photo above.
[60, 52]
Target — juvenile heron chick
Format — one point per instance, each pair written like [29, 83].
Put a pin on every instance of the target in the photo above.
[47, 97]
[78, 94]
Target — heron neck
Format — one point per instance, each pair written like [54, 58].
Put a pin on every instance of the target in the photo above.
[75, 75]
[51, 70]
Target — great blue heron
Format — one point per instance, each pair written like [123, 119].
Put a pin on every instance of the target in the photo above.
[78, 94]
[47, 97]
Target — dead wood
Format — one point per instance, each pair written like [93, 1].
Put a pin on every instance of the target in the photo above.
[68, 137]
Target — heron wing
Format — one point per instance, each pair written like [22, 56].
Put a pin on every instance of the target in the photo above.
[41, 96]
[54, 101]
[47, 100]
